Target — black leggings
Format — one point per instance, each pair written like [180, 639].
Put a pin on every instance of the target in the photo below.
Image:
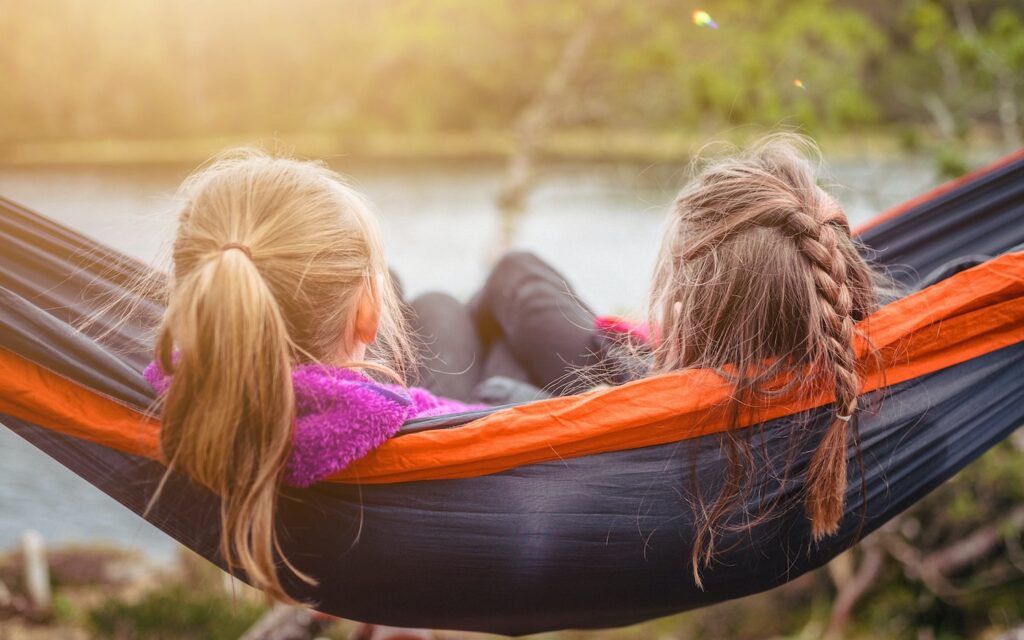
[526, 324]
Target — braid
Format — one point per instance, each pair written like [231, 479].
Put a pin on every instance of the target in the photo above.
[832, 335]
[827, 474]
[831, 325]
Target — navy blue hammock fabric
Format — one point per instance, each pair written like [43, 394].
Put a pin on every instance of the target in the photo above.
[586, 542]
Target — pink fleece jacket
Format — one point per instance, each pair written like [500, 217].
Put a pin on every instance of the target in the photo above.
[341, 415]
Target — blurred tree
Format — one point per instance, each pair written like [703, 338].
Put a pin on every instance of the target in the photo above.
[158, 68]
[964, 66]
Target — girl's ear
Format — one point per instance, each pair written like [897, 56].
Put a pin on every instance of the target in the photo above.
[368, 311]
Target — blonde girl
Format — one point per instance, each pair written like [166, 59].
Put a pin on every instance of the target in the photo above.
[279, 284]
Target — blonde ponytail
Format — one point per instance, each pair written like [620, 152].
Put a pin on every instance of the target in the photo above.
[227, 418]
[270, 259]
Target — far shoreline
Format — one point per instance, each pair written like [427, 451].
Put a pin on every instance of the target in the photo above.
[566, 146]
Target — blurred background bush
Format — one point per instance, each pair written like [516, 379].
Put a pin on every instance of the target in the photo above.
[407, 77]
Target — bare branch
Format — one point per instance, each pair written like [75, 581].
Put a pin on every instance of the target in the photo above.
[972, 548]
[851, 590]
[941, 114]
[535, 121]
[934, 569]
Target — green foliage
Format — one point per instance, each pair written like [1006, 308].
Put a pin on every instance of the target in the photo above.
[990, 591]
[64, 611]
[966, 66]
[191, 68]
[175, 612]
[910, 139]
[950, 162]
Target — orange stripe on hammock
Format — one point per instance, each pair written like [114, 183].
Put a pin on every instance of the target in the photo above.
[966, 316]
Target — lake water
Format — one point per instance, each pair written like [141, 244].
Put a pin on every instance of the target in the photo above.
[600, 225]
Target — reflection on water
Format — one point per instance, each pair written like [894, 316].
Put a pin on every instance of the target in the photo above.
[38, 493]
[599, 225]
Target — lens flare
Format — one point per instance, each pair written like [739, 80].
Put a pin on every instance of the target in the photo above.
[703, 19]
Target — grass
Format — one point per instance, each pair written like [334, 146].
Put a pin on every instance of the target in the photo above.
[176, 611]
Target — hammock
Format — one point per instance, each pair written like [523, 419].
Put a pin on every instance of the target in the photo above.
[570, 512]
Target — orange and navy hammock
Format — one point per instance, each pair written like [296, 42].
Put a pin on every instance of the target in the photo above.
[570, 512]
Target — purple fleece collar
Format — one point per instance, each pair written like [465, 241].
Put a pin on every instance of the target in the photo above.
[341, 416]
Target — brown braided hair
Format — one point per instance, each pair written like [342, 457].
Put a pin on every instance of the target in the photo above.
[759, 279]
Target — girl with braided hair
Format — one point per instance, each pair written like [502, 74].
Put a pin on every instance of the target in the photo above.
[759, 279]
